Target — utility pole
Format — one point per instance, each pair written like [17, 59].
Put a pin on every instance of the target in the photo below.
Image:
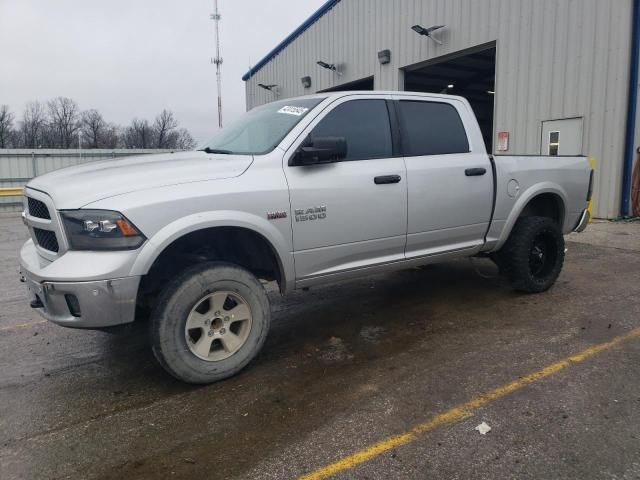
[217, 61]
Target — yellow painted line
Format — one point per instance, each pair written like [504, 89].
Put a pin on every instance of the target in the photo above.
[10, 191]
[461, 412]
[23, 325]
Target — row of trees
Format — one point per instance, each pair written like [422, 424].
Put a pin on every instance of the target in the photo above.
[59, 123]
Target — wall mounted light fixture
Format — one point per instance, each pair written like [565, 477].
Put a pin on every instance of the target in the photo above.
[329, 66]
[420, 30]
[384, 56]
[273, 88]
[306, 82]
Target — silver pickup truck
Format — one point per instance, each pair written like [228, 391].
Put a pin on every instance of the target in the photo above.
[301, 192]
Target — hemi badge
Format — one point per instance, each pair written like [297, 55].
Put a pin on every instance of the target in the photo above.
[276, 215]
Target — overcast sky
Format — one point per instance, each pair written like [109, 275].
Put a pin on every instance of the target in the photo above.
[132, 58]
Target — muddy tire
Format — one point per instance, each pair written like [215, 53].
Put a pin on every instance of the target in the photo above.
[209, 322]
[533, 256]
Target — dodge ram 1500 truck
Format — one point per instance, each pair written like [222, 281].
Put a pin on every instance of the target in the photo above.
[301, 192]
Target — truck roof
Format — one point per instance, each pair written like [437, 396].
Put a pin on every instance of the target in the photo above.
[347, 93]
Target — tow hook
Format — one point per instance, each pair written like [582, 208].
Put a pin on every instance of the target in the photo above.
[36, 303]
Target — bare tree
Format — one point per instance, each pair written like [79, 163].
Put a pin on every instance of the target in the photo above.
[63, 121]
[94, 128]
[184, 140]
[180, 139]
[98, 132]
[32, 127]
[57, 124]
[6, 126]
[163, 125]
[139, 134]
[112, 137]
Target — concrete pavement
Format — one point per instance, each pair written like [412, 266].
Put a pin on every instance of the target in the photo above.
[345, 367]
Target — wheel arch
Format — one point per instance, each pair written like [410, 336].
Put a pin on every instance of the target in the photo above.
[545, 200]
[251, 226]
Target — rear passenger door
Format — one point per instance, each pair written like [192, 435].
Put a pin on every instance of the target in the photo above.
[450, 179]
[353, 213]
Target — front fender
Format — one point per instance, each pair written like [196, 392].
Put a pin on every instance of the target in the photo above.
[222, 218]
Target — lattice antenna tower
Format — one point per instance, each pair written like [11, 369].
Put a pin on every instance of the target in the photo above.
[217, 60]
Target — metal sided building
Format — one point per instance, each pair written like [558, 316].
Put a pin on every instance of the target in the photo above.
[543, 76]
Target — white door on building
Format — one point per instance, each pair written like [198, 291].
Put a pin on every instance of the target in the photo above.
[562, 137]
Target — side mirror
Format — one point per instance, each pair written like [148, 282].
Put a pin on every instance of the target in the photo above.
[320, 150]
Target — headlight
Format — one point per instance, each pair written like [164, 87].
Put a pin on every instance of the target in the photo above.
[100, 230]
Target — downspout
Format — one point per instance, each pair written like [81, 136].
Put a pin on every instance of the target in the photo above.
[632, 109]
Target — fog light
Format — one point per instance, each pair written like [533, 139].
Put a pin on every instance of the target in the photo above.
[72, 304]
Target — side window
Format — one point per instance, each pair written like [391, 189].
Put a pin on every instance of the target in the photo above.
[431, 128]
[365, 126]
[554, 143]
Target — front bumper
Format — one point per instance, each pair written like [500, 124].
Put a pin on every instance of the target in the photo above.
[79, 304]
[582, 224]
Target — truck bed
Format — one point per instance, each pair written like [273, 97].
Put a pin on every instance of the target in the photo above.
[518, 178]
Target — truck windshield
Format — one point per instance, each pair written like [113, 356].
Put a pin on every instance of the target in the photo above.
[260, 130]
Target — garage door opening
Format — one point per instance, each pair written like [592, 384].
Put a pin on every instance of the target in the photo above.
[363, 84]
[470, 74]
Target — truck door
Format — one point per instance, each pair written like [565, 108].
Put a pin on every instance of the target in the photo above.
[353, 213]
[449, 174]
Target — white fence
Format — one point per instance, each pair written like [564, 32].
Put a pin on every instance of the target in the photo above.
[18, 166]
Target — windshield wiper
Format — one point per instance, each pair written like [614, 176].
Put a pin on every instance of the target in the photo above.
[216, 150]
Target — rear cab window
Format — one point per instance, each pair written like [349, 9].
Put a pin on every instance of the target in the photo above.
[431, 128]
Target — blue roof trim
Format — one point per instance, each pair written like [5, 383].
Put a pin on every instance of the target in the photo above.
[295, 34]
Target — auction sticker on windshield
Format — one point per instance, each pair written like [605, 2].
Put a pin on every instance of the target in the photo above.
[297, 111]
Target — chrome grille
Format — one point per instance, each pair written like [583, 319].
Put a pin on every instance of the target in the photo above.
[46, 239]
[38, 209]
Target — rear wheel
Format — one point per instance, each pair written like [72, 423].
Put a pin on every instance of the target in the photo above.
[210, 322]
[533, 256]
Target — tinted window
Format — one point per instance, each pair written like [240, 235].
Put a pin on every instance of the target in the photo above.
[365, 126]
[430, 128]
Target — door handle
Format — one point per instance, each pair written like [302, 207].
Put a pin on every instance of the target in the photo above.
[386, 179]
[475, 172]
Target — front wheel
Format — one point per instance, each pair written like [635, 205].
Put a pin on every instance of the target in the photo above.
[210, 322]
[533, 256]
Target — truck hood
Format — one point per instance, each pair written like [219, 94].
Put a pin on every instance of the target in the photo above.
[74, 187]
